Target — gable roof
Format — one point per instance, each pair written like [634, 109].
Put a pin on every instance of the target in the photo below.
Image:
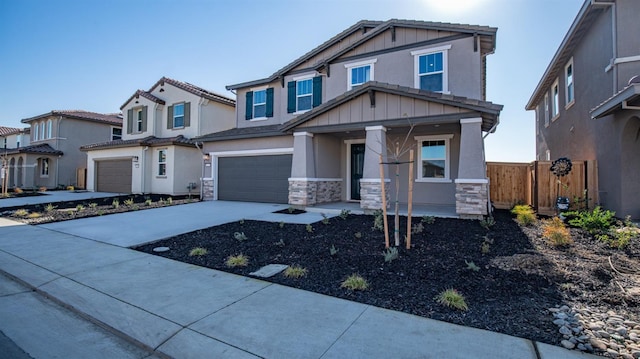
[243, 132]
[488, 110]
[377, 27]
[146, 141]
[108, 118]
[5, 131]
[590, 10]
[145, 94]
[198, 91]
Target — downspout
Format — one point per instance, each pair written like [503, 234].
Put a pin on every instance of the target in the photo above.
[58, 148]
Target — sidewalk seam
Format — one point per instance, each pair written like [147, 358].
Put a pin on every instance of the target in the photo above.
[535, 349]
[345, 331]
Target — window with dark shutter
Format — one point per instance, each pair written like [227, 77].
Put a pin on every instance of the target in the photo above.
[249, 106]
[187, 114]
[169, 117]
[144, 118]
[129, 120]
[317, 91]
[291, 97]
[269, 110]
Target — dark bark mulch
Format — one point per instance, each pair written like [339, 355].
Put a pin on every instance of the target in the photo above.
[520, 277]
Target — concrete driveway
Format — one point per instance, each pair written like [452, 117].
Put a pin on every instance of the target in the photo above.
[144, 226]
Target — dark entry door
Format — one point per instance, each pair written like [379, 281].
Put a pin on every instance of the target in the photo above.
[357, 167]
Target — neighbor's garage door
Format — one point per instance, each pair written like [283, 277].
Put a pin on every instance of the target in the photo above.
[113, 176]
[254, 178]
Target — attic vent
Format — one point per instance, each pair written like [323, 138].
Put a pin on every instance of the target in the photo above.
[634, 80]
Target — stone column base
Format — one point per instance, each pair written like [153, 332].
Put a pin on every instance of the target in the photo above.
[472, 198]
[207, 189]
[371, 194]
[311, 191]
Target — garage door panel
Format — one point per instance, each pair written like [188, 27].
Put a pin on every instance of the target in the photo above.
[254, 178]
[113, 176]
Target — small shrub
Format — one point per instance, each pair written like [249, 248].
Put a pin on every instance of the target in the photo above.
[472, 266]
[100, 212]
[161, 201]
[486, 245]
[521, 208]
[20, 212]
[240, 236]
[295, 272]
[49, 208]
[325, 219]
[357, 235]
[417, 228]
[80, 208]
[239, 260]
[198, 251]
[345, 213]
[452, 299]
[355, 282]
[291, 210]
[128, 202]
[18, 190]
[115, 203]
[93, 205]
[594, 222]
[170, 201]
[70, 188]
[619, 237]
[148, 202]
[309, 228]
[333, 250]
[554, 231]
[34, 215]
[488, 222]
[526, 218]
[281, 224]
[428, 219]
[378, 220]
[241, 221]
[390, 254]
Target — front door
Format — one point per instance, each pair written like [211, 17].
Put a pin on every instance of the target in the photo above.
[357, 167]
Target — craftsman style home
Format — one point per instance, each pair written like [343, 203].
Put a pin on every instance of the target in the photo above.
[587, 103]
[47, 153]
[313, 131]
[155, 153]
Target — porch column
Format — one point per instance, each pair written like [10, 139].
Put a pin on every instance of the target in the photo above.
[370, 184]
[302, 184]
[472, 185]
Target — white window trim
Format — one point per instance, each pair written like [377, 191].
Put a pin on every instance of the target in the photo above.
[42, 167]
[114, 128]
[566, 84]
[546, 110]
[174, 115]
[538, 118]
[35, 132]
[253, 105]
[445, 65]
[42, 129]
[138, 111]
[352, 65]
[298, 79]
[158, 175]
[555, 107]
[49, 129]
[447, 164]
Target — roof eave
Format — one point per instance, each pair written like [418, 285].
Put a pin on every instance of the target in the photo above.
[616, 102]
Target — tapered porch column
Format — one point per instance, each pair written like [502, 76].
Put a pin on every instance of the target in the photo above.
[472, 185]
[302, 184]
[370, 184]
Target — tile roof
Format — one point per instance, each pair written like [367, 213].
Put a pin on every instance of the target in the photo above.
[377, 28]
[198, 91]
[112, 119]
[43, 148]
[4, 131]
[490, 109]
[146, 141]
[144, 94]
[239, 133]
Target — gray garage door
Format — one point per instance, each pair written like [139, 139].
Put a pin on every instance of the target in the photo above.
[254, 178]
[113, 176]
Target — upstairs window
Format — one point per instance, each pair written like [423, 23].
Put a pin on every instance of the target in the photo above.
[116, 133]
[359, 72]
[555, 100]
[569, 90]
[5, 142]
[35, 131]
[178, 115]
[431, 69]
[260, 104]
[304, 94]
[42, 134]
[139, 120]
[434, 157]
[49, 129]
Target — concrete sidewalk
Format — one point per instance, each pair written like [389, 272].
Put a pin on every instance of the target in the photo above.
[52, 197]
[174, 309]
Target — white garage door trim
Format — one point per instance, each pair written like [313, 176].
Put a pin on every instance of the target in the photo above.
[241, 153]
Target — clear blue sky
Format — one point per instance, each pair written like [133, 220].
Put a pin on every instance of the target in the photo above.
[94, 54]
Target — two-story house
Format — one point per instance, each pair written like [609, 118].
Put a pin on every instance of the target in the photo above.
[155, 153]
[587, 103]
[13, 140]
[52, 158]
[313, 131]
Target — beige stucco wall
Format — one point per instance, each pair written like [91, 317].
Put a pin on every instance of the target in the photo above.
[187, 169]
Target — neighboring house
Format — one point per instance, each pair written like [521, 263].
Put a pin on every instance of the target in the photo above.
[11, 140]
[587, 105]
[48, 154]
[156, 153]
[312, 132]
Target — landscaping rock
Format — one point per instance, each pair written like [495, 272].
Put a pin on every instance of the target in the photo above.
[567, 344]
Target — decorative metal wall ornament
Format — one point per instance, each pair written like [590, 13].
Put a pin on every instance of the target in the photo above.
[560, 168]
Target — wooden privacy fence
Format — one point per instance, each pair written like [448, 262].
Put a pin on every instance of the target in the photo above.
[534, 184]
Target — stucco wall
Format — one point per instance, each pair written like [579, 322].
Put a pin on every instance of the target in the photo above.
[188, 169]
[117, 154]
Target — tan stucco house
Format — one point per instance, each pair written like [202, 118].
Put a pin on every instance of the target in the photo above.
[312, 132]
[156, 153]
